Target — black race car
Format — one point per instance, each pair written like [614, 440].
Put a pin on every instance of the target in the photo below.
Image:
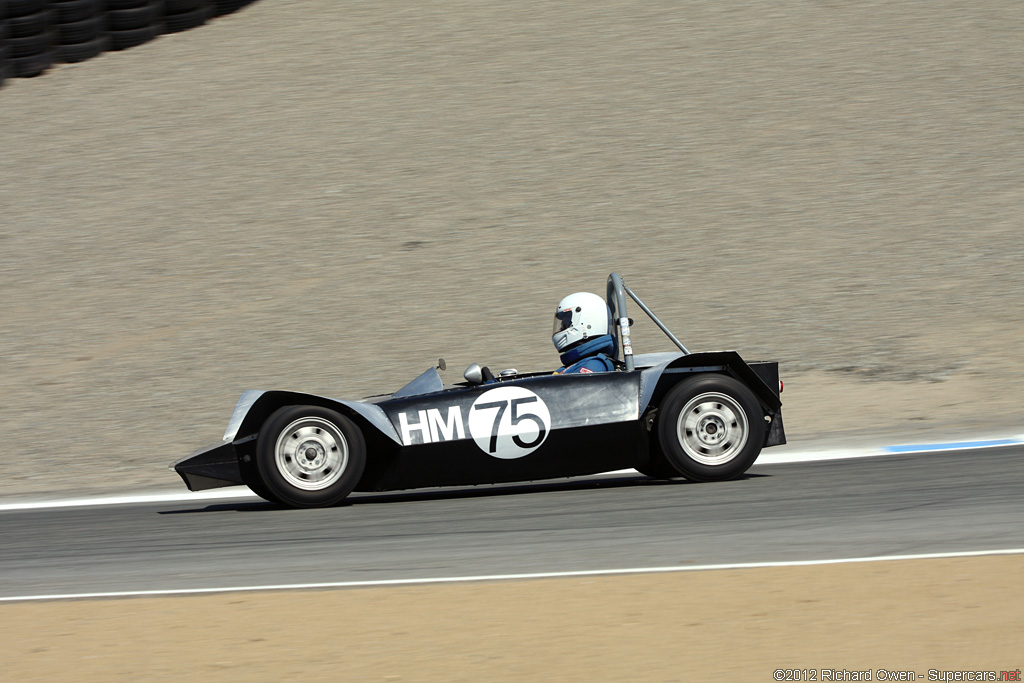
[702, 416]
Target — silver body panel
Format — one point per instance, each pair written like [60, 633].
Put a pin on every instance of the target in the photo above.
[373, 413]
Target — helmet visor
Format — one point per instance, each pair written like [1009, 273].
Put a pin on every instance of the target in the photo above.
[563, 320]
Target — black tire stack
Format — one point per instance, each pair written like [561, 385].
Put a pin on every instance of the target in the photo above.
[36, 33]
[181, 15]
[81, 29]
[5, 65]
[30, 38]
[133, 22]
[229, 6]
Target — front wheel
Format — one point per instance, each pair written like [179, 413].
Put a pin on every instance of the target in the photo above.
[710, 428]
[308, 456]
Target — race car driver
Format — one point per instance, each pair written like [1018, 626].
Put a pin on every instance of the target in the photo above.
[582, 334]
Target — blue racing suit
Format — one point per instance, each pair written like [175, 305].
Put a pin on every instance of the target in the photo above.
[590, 356]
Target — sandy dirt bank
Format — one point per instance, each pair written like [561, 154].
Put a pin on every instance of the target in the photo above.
[944, 614]
[329, 195]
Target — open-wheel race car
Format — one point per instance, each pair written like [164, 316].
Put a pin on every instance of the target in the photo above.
[702, 416]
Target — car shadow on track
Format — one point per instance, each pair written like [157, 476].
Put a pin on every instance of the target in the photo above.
[457, 493]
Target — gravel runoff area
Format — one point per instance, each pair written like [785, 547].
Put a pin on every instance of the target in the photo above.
[328, 195]
[941, 615]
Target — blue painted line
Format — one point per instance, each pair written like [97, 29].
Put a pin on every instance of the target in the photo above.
[951, 446]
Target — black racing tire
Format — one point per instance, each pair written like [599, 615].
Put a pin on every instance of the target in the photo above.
[652, 462]
[251, 476]
[658, 470]
[31, 66]
[82, 31]
[122, 40]
[3, 10]
[70, 11]
[710, 427]
[308, 456]
[117, 5]
[134, 18]
[30, 45]
[229, 6]
[19, 8]
[30, 25]
[172, 7]
[79, 52]
[185, 20]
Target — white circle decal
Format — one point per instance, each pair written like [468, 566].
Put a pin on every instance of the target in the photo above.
[509, 422]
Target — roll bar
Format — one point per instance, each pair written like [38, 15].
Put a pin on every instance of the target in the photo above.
[616, 297]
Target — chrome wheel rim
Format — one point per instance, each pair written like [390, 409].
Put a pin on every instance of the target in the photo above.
[712, 428]
[311, 453]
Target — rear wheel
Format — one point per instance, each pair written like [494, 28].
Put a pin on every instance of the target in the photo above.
[308, 456]
[710, 427]
[657, 469]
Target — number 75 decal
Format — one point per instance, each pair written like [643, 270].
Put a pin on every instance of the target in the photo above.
[509, 422]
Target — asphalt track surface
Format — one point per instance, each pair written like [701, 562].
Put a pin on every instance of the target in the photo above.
[893, 505]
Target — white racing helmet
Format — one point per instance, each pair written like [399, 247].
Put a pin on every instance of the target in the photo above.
[579, 317]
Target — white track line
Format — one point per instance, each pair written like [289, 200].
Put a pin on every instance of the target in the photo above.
[130, 499]
[773, 458]
[508, 577]
[766, 458]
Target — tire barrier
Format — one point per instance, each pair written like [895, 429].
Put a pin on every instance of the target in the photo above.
[133, 22]
[5, 65]
[29, 42]
[35, 34]
[81, 29]
[181, 15]
[229, 6]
